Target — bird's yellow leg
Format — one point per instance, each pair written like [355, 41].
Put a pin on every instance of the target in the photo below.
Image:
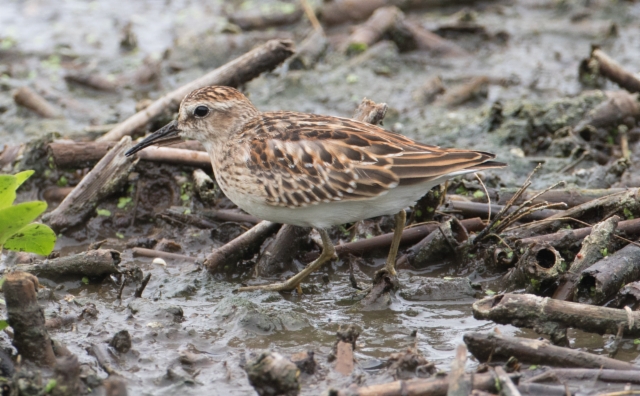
[390, 266]
[328, 253]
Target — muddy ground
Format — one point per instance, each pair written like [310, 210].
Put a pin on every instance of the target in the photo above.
[189, 332]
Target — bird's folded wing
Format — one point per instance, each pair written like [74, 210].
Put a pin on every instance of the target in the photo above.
[346, 160]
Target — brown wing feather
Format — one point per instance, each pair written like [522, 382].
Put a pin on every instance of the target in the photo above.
[305, 159]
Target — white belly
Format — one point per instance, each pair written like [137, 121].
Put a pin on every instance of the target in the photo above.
[325, 215]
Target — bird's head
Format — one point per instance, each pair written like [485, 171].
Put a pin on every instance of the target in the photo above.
[209, 115]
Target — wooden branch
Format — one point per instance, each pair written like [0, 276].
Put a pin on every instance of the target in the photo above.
[601, 64]
[229, 215]
[258, 20]
[570, 196]
[242, 69]
[409, 236]
[478, 209]
[464, 92]
[26, 318]
[370, 112]
[459, 384]
[591, 251]
[142, 252]
[370, 32]
[279, 252]
[495, 347]
[309, 51]
[436, 246]
[169, 155]
[546, 315]
[30, 99]
[565, 238]
[582, 374]
[507, 387]
[243, 246]
[606, 277]
[104, 179]
[539, 266]
[92, 264]
[605, 206]
[417, 387]
[68, 154]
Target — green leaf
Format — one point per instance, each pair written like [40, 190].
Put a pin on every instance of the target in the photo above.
[34, 238]
[85, 280]
[120, 235]
[8, 186]
[636, 341]
[51, 385]
[533, 367]
[123, 201]
[103, 212]
[14, 218]
[489, 292]
[3, 324]
[23, 176]
[478, 194]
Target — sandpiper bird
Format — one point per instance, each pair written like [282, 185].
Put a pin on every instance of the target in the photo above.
[311, 170]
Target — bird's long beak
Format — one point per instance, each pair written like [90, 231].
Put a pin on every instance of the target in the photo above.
[168, 134]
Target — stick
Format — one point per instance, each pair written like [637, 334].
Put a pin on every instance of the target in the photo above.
[105, 178]
[26, 317]
[69, 154]
[279, 252]
[538, 267]
[605, 206]
[581, 374]
[508, 388]
[310, 13]
[437, 245]
[142, 252]
[546, 315]
[566, 238]
[143, 285]
[26, 97]
[496, 346]
[243, 246]
[418, 387]
[606, 277]
[591, 252]
[601, 64]
[237, 72]
[92, 264]
[478, 209]
[569, 196]
[343, 349]
[252, 20]
[459, 384]
[370, 32]
[409, 236]
[229, 215]
[370, 112]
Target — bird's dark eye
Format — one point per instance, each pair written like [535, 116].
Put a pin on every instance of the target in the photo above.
[201, 111]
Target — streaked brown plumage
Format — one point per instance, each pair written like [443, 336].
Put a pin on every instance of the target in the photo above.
[311, 170]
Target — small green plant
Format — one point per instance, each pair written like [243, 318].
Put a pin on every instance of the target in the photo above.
[17, 232]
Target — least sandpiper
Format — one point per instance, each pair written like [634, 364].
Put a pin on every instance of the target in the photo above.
[311, 170]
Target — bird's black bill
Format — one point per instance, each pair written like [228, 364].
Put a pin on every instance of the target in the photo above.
[165, 134]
